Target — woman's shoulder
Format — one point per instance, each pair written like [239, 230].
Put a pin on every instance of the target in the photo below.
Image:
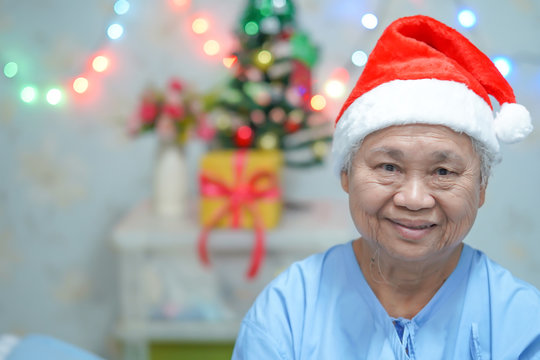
[292, 290]
[305, 275]
[503, 284]
[277, 318]
[508, 305]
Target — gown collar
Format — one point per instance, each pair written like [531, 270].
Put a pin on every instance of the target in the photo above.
[457, 278]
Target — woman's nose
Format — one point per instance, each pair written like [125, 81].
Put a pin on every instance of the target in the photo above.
[414, 195]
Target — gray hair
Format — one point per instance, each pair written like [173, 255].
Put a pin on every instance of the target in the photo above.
[487, 159]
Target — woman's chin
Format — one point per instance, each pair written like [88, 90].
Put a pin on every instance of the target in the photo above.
[414, 251]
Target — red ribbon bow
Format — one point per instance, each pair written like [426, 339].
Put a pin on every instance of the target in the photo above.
[243, 194]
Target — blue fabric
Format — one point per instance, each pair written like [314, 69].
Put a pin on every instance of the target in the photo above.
[33, 347]
[400, 328]
[323, 308]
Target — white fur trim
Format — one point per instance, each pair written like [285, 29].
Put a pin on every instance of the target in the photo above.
[425, 101]
[512, 123]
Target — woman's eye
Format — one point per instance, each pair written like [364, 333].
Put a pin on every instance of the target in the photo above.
[442, 171]
[389, 167]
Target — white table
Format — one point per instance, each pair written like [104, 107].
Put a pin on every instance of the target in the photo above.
[167, 295]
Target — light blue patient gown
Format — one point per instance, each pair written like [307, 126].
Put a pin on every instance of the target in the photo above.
[323, 308]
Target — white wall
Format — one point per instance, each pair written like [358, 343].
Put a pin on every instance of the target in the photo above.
[69, 173]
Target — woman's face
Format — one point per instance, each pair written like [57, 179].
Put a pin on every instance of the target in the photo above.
[414, 190]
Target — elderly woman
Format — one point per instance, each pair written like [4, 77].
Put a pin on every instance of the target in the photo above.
[413, 146]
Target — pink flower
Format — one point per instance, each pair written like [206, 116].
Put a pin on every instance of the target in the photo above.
[205, 131]
[148, 111]
[176, 85]
[174, 111]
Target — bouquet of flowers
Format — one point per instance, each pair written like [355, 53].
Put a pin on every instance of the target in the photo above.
[173, 114]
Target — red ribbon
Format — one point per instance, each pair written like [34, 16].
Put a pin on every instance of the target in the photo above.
[242, 194]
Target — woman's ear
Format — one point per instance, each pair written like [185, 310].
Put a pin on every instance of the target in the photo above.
[482, 195]
[345, 181]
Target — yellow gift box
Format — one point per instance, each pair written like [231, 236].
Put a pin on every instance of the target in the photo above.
[240, 188]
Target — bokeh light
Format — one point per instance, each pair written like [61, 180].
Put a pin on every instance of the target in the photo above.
[359, 58]
[251, 28]
[229, 61]
[121, 7]
[80, 85]
[54, 96]
[268, 141]
[320, 149]
[318, 102]
[503, 64]
[211, 47]
[115, 31]
[370, 21]
[11, 69]
[341, 74]
[264, 57]
[28, 94]
[244, 136]
[278, 4]
[181, 4]
[467, 18]
[100, 63]
[200, 25]
[334, 88]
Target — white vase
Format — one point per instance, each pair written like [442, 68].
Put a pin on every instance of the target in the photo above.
[170, 181]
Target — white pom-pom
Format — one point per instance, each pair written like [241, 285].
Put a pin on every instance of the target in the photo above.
[512, 123]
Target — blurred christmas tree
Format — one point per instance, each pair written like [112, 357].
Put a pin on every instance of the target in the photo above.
[266, 105]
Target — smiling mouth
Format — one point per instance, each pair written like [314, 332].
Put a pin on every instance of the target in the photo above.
[412, 225]
[412, 231]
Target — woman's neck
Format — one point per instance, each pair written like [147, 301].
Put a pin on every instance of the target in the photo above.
[403, 287]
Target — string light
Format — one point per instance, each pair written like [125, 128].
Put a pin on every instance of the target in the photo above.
[80, 85]
[229, 61]
[467, 18]
[11, 69]
[115, 31]
[359, 58]
[370, 21]
[28, 94]
[340, 74]
[334, 88]
[181, 3]
[200, 25]
[211, 47]
[54, 96]
[503, 64]
[244, 136]
[100, 63]
[121, 7]
[318, 102]
[268, 141]
[278, 4]
[251, 28]
[264, 57]
[320, 148]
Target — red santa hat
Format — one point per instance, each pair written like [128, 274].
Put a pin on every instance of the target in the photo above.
[424, 72]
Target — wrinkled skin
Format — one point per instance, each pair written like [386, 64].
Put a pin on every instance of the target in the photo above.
[414, 192]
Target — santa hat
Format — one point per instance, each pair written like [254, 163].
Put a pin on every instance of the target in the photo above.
[424, 72]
